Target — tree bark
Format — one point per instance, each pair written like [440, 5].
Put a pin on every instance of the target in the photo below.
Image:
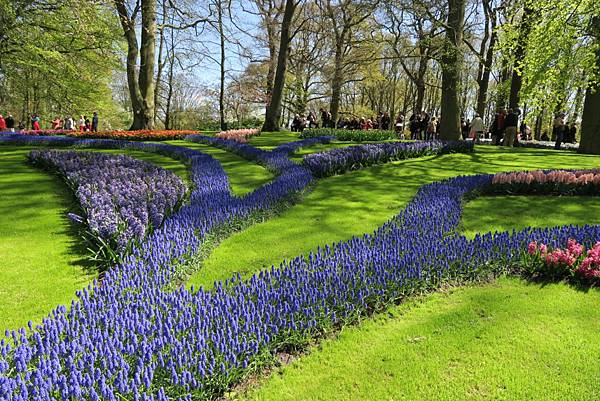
[451, 69]
[141, 84]
[520, 50]
[161, 63]
[590, 123]
[336, 84]
[273, 114]
[222, 65]
[485, 65]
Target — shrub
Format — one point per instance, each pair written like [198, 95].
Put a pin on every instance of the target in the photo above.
[350, 135]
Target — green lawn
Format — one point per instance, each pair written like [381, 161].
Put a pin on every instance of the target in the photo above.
[502, 213]
[358, 202]
[42, 261]
[270, 140]
[244, 176]
[509, 340]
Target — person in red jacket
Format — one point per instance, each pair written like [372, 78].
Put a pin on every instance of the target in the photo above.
[2, 124]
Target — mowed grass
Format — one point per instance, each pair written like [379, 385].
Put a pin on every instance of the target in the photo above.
[244, 176]
[358, 202]
[503, 213]
[42, 260]
[508, 340]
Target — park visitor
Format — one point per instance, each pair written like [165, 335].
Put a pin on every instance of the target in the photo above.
[56, 123]
[464, 128]
[385, 121]
[510, 131]
[35, 122]
[81, 124]
[558, 129]
[477, 128]
[88, 124]
[10, 123]
[2, 124]
[415, 123]
[425, 118]
[95, 122]
[498, 127]
[312, 120]
[431, 129]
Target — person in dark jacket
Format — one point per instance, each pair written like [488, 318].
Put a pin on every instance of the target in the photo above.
[95, 122]
[10, 122]
[385, 121]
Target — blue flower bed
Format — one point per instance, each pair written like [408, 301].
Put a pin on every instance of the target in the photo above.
[122, 198]
[131, 339]
[276, 160]
[340, 160]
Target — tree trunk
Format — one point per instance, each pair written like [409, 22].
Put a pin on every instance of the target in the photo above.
[590, 123]
[520, 50]
[141, 85]
[336, 84]
[161, 63]
[272, 66]
[483, 81]
[222, 80]
[451, 68]
[578, 103]
[273, 115]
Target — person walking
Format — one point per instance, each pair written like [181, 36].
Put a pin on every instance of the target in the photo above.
[56, 123]
[10, 123]
[558, 130]
[498, 127]
[425, 118]
[511, 123]
[2, 123]
[431, 129]
[95, 122]
[415, 123]
[385, 121]
[35, 123]
[400, 126]
[81, 124]
[477, 128]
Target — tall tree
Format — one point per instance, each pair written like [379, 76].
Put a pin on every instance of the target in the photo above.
[590, 125]
[519, 54]
[345, 18]
[485, 54]
[451, 63]
[140, 78]
[273, 114]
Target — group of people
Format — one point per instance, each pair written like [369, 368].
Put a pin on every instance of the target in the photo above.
[383, 121]
[423, 126]
[506, 128]
[563, 131]
[83, 125]
[9, 124]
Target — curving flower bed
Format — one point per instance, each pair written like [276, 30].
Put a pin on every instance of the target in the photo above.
[557, 182]
[132, 339]
[122, 198]
[139, 135]
[239, 135]
[340, 160]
